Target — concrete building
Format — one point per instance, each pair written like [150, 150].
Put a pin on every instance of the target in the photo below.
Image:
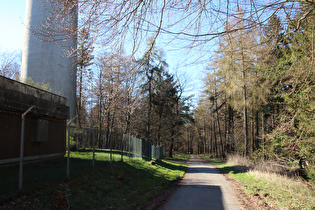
[45, 124]
[45, 61]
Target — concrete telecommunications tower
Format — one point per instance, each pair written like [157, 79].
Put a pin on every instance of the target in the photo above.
[46, 61]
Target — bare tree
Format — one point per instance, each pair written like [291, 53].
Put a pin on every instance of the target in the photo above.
[84, 60]
[10, 63]
[117, 89]
[196, 22]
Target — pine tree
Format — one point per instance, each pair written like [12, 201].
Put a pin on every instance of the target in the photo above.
[297, 118]
[151, 66]
[235, 64]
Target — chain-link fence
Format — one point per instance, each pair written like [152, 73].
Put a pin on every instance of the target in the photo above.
[88, 149]
[141, 148]
[127, 145]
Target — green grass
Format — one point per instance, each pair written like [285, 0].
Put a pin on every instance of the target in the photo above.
[48, 171]
[99, 188]
[278, 192]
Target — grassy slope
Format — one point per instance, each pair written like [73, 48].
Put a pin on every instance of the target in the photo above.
[100, 188]
[277, 191]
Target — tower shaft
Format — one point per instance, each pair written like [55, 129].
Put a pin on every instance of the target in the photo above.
[46, 58]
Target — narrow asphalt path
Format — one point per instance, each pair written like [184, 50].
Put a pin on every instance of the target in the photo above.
[203, 187]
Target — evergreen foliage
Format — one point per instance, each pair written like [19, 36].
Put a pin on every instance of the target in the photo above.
[270, 72]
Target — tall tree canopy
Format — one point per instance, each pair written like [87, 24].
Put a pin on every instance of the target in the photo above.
[196, 22]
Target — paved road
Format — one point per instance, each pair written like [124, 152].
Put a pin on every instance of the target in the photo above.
[203, 187]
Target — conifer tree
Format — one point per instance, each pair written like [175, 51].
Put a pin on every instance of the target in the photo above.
[295, 133]
[151, 66]
[235, 63]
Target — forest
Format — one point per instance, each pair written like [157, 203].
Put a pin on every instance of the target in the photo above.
[138, 97]
[258, 95]
[258, 99]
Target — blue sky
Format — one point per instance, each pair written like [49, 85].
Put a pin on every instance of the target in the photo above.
[12, 14]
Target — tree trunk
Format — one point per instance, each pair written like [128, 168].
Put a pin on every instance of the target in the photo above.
[100, 125]
[219, 129]
[215, 137]
[100, 111]
[226, 126]
[150, 108]
[159, 128]
[211, 137]
[253, 131]
[128, 116]
[80, 99]
[245, 124]
[107, 129]
[172, 143]
[229, 130]
[204, 137]
[245, 105]
[257, 130]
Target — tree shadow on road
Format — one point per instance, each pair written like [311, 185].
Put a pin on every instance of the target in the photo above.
[224, 170]
[234, 169]
[165, 164]
[197, 197]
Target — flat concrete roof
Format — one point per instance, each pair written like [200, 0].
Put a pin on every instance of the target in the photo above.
[18, 97]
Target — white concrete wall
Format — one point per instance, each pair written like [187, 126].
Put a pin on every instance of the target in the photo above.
[46, 61]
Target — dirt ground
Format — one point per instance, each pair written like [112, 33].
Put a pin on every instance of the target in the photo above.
[247, 202]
